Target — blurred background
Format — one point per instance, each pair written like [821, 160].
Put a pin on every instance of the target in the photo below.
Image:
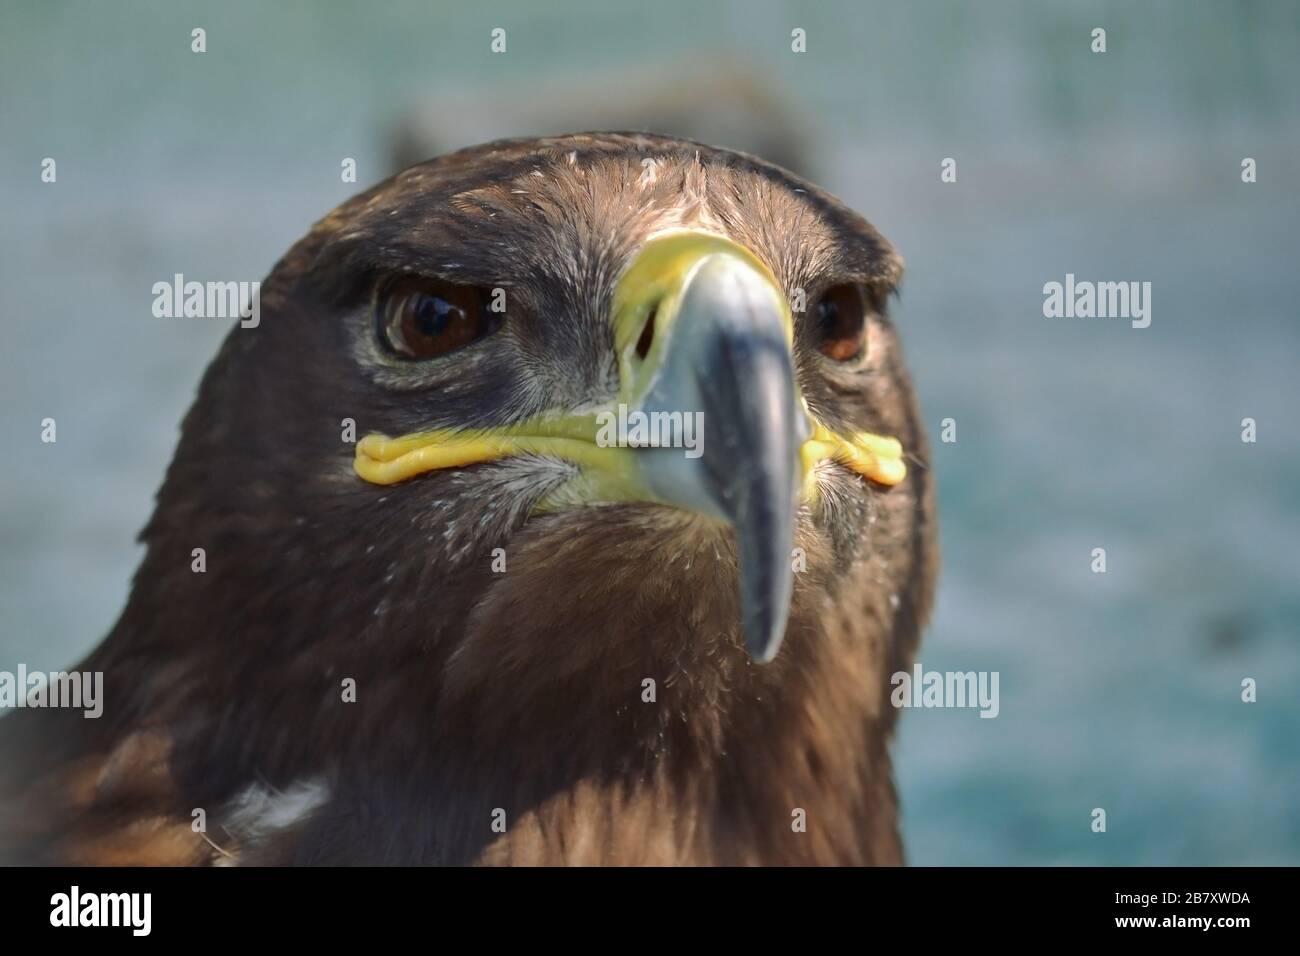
[1118, 690]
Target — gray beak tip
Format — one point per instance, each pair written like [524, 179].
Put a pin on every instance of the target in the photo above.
[763, 644]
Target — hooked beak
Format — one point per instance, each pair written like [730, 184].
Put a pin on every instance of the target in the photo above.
[708, 418]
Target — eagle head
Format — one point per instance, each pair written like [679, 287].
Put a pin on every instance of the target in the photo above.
[593, 465]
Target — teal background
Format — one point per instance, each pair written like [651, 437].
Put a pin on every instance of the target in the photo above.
[1119, 690]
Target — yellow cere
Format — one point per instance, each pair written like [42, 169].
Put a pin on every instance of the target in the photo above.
[654, 281]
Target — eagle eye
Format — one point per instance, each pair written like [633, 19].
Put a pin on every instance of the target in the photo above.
[842, 322]
[422, 318]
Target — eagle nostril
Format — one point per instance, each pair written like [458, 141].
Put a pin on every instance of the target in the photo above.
[647, 335]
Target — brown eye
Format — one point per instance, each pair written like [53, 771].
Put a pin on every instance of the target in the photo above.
[842, 322]
[422, 318]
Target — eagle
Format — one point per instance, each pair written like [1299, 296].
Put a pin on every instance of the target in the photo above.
[422, 586]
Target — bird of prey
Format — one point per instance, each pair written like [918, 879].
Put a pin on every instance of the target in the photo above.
[446, 615]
